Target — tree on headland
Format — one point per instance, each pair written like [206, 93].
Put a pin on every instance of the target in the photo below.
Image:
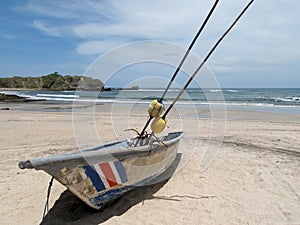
[52, 81]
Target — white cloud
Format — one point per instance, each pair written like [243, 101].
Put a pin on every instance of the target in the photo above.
[147, 20]
[7, 36]
[267, 35]
[70, 10]
[50, 30]
[97, 47]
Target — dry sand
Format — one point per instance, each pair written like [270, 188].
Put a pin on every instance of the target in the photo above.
[255, 178]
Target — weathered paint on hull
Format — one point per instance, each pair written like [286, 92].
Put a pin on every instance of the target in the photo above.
[76, 180]
[101, 174]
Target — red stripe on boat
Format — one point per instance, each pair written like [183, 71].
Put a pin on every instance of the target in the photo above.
[108, 173]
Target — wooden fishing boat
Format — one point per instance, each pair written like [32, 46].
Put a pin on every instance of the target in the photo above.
[102, 173]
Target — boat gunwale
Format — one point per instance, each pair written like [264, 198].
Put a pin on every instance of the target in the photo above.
[106, 155]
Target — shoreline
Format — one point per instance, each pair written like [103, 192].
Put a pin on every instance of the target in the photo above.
[290, 103]
[62, 105]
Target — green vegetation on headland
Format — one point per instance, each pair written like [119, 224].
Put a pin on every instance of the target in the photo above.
[57, 82]
[51, 82]
[54, 81]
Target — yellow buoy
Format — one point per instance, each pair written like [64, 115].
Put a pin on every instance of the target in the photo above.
[155, 108]
[158, 125]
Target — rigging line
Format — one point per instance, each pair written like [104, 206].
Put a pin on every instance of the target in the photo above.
[182, 61]
[189, 49]
[206, 58]
[46, 208]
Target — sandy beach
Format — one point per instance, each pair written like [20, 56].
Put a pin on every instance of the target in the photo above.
[255, 178]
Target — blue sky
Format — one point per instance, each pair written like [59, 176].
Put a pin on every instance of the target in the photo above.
[40, 37]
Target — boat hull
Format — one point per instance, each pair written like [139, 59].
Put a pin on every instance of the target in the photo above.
[101, 174]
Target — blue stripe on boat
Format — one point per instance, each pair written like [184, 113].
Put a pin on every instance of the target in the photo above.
[120, 168]
[93, 175]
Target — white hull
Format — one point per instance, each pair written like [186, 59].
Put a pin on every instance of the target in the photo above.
[100, 174]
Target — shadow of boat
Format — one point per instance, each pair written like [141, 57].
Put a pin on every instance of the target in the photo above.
[69, 209]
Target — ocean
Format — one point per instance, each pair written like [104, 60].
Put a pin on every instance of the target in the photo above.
[276, 100]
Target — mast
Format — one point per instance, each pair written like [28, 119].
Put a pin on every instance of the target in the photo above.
[205, 59]
[182, 61]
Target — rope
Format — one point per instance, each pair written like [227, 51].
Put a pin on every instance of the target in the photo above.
[160, 141]
[46, 208]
